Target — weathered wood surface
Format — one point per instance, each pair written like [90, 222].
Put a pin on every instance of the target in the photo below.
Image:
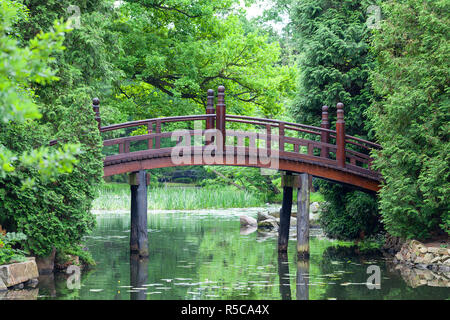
[138, 233]
[303, 216]
[285, 212]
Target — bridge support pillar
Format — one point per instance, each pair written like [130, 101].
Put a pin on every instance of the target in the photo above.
[139, 234]
[303, 216]
[287, 182]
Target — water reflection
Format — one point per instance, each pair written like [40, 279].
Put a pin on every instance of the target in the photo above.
[302, 279]
[205, 256]
[138, 277]
[283, 274]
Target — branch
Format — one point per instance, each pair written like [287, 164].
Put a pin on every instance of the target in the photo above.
[228, 180]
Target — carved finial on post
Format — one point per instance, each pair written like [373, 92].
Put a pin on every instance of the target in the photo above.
[340, 135]
[324, 136]
[96, 108]
[210, 109]
[220, 114]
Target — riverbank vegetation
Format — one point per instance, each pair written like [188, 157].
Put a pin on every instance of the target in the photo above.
[181, 196]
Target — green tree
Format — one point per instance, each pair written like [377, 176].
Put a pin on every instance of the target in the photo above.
[173, 51]
[22, 67]
[52, 207]
[411, 118]
[334, 64]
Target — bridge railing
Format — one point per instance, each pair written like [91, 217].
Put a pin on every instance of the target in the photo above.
[291, 140]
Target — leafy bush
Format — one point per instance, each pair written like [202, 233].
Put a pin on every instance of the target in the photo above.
[8, 252]
[411, 120]
[53, 213]
[348, 214]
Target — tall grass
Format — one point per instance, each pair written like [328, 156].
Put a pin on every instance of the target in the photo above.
[117, 196]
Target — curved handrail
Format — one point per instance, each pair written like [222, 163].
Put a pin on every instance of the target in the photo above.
[162, 120]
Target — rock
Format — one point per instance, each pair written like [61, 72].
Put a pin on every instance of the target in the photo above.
[427, 258]
[263, 216]
[32, 283]
[247, 230]
[19, 294]
[423, 249]
[293, 221]
[399, 256]
[314, 207]
[446, 262]
[442, 251]
[17, 273]
[433, 250]
[436, 259]
[418, 260]
[248, 221]
[3, 286]
[270, 224]
[414, 244]
[18, 286]
[275, 214]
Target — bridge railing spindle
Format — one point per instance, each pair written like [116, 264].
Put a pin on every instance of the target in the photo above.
[150, 130]
[281, 135]
[158, 138]
[340, 136]
[324, 136]
[210, 110]
[220, 116]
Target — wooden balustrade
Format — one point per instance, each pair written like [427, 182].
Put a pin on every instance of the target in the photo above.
[323, 144]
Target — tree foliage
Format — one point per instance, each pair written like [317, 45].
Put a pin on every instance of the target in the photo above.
[334, 66]
[45, 192]
[174, 51]
[411, 117]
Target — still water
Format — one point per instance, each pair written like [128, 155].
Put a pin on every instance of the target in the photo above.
[204, 255]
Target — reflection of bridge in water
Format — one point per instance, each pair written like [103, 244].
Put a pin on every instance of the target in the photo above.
[216, 138]
[139, 277]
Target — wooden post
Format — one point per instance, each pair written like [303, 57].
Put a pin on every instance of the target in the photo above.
[302, 279]
[158, 138]
[283, 274]
[287, 182]
[96, 108]
[139, 234]
[220, 115]
[324, 136]
[340, 136]
[149, 131]
[303, 216]
[210, 110]
[138, 276]
[281, 135]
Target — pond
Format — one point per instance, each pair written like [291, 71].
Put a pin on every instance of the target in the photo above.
[203, 255]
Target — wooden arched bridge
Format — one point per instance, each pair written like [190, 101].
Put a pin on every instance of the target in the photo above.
[216, 138]
[286, 146]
